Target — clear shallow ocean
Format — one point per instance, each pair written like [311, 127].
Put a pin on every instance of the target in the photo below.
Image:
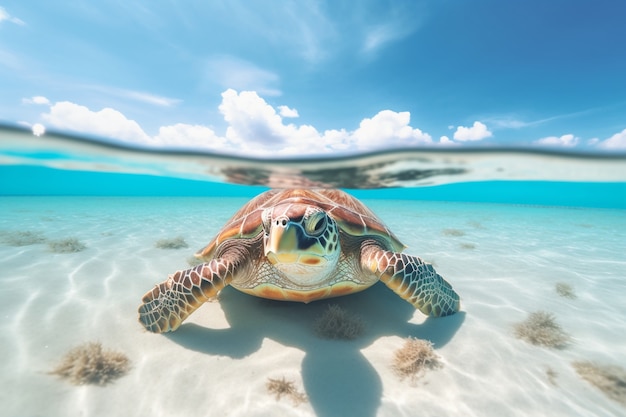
[504, 260]
[515, 233]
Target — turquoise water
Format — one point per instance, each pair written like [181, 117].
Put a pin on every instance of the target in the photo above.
[508, 247]
[505, 261]
[34, 180]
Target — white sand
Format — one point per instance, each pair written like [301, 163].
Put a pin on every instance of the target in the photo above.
[505, 264]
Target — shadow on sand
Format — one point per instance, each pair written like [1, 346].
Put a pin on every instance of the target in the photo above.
[337, 378]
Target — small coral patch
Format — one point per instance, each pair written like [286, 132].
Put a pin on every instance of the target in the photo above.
[541, 328]
[91, 364]
[611, 380]
[414, 358]
[337, 323]
[280, 387]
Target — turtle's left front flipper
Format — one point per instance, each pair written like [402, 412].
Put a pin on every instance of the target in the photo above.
[412, 279]
[169, 303]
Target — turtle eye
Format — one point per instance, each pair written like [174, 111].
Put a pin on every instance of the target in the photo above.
[316, 224]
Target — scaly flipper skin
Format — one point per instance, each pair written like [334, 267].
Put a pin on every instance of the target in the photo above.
[172, 301]
[412, 279]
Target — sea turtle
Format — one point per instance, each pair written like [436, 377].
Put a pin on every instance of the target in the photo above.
[299, 245]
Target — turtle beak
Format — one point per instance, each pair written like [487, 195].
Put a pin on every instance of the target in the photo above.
[282, 244]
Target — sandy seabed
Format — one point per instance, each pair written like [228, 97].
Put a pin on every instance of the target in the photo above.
[505, 261]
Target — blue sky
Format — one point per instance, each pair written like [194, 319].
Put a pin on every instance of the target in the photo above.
[292, 77]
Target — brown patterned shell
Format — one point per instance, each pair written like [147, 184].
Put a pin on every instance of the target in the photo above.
[352, 216]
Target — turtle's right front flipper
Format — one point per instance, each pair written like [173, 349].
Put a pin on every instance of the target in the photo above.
[172, 301]
[412, 279]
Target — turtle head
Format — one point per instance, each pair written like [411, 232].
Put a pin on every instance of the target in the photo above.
[302, 241]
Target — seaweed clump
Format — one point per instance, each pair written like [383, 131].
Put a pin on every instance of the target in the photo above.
[610, 379]
[468, 246]
[337, 323]
[91, 364]
[22, 238]
[541, 329]
[453, 232]
[414, 358]
[69, 245]
[552, 375]
[280, 387]
[565, 290]
[173, 243]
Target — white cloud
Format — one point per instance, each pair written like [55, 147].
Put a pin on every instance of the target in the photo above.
[38, 129]
[254, 128]
[4, 15]
[287, 112]
[478, 131]
[444, 140]
[568, 140]
[251, 119]
[106, 122]
[39, 100]
[185, 135]
[231, 72]
[388, 128]
[617, 141]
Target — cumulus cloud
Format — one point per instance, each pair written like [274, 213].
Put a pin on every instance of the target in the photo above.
[287, 112]
[185, 135]
[568, 140]
[444, 140]
[108, 122]
[388, 127]
[4, 15]
[254, 128]
[617, 141]
[252, 120]
[39, 100]
[477, 131]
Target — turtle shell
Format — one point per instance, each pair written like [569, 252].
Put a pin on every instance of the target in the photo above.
[352, 217]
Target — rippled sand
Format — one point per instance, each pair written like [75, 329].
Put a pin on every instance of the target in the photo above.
[505, 261]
